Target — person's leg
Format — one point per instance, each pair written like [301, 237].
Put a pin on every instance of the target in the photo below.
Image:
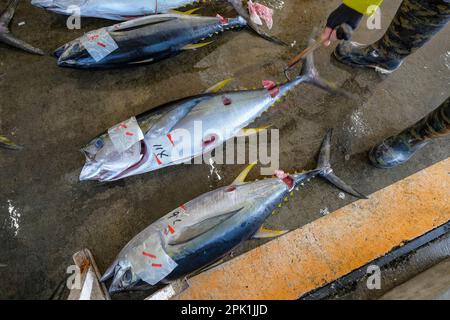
[414, 24]
[398, 149]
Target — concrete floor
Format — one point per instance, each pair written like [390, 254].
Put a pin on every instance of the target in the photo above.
[46, 214]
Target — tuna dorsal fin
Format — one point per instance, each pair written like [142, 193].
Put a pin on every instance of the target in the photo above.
[193, 46]
[218, 86]
[241, 177]
[7, 37]
[188, 12]
[251, 131]
[8, 144]
[193, 231]
[268, 233]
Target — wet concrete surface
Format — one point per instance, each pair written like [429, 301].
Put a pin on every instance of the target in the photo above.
[46, 214]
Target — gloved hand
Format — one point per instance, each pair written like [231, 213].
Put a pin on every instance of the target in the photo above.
[341, 15]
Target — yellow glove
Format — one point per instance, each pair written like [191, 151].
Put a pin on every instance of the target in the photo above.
[367, 7]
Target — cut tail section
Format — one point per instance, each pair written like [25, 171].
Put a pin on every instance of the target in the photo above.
[238, 6]
[326, 172]
[5, 34]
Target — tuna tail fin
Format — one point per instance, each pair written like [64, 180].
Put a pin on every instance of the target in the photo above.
[7, 37]
[309, 74]
[326, 172]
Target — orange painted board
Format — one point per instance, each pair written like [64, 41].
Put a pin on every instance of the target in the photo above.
[333, 246]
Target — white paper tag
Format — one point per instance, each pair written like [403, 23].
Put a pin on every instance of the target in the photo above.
[99, 44]
[125, 134]
[149, 260]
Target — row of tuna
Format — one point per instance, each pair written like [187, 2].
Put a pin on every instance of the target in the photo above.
[201, 231]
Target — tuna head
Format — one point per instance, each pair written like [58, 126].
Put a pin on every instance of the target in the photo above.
[73, 54]
[124, 278]
[105, 163]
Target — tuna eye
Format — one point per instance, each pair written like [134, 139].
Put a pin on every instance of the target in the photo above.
[127, 276]
[99, 144]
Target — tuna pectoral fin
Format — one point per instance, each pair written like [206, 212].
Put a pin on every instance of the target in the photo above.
[263, 233]
[218, 86]
[193, 46]
[246, 132]
[188, 12]
[326, 172]
[8, 144]
[241, 177]
[187, 233]
[7, 37]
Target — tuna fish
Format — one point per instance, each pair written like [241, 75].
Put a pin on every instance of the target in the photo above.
[8, 144]
[5, 34]
[144, 40]
[203, 230]
[111, 9]
[222, 116]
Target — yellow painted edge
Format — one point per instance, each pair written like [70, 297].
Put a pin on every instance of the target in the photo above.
[334, 245]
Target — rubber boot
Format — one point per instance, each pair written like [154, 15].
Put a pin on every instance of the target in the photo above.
[414, 24]
[398, 149]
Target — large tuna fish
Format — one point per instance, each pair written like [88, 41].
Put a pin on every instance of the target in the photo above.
[222, 115]
[205, 229]
[145, 40]
[5, 34]
[111, 9]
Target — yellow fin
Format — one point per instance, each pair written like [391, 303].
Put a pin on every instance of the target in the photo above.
[8, 144]
[189, 12]
[193, 46]
[215, 88]
[251, 131]
[268, 233]
[241, 177]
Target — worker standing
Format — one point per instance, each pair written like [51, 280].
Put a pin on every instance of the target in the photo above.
[414, 24]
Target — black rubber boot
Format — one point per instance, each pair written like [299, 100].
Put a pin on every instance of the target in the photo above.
[394, 151]
[398, 149]
[365, 56]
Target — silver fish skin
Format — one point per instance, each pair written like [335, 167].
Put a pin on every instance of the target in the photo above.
[210, 226]
[220, 121]
[146, 40]
[118, 10]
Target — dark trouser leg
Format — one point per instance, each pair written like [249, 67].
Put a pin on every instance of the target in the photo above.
[414, 24]
[398, 149]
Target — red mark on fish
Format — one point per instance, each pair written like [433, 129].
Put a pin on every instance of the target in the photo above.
[226, 101]
[101, 44]
[209, 140]
[171, 229]
[129, 133]
[183, 207]
[222, 19]
[287, 179]
[170, 139]
[149, 255]
[258, 11]
[271, 87]
[157, 265]
[157, 159]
